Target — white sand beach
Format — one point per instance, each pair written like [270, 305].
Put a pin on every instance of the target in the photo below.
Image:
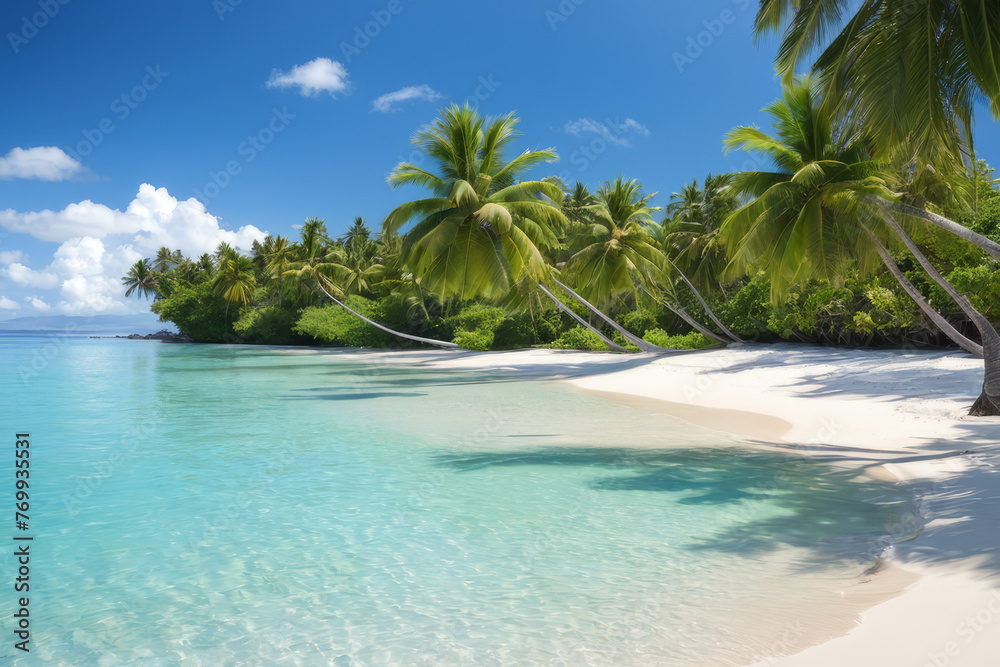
[899, 411]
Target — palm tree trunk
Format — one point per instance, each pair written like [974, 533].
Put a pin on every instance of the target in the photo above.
[943, 324]
[582, 322]
[428, 341]
[961, 231]
[684, 315]
[704, 305]
[988, 403]
[629, 336]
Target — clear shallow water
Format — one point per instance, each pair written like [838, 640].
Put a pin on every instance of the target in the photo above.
[235, 505]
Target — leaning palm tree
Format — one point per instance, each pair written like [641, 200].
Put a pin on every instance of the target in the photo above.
[911, 71]
[141, 280]
[814, 217]
[484, 231]
[616, 256]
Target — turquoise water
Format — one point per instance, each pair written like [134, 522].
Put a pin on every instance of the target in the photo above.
[236, 505]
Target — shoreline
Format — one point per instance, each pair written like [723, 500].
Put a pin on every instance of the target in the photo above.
[900, 411]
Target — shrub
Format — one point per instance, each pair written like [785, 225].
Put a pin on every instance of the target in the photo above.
[579, 339]
[748, 311]
[333, 325]
[270, 326]
[478, 340]
[691, 341]
[476, 325]
[198, 312]
[638, 321]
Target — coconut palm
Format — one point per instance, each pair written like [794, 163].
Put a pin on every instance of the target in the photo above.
[689, 233]
[141, 280]
[579, 204]
[234, 281]
[166, 259]
[912, 71]
[356, 240]
[616, 256]
[817, 214]
[483, 230]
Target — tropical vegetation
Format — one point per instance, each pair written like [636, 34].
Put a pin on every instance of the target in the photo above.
[871, 222]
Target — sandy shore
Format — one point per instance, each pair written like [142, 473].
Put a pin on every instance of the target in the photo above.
[901, 411]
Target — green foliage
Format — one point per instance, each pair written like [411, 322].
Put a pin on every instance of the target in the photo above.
[333, 325]
[518, 331]
[748, 311]
[270, 326]
[982, 285]
[638, 321]
[691, 341]
[479, 340]
[579, 338]
[475, 326]
[198, 312]
[818, 308]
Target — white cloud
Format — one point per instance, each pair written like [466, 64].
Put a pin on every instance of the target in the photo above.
[43, 163]
[312, 78]
[27, 277]
[7, 304]
[614, 132]
[386, 102]
[98, 245]
[11, 256]
[37, 303]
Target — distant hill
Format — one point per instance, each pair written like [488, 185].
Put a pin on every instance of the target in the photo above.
[113, 325]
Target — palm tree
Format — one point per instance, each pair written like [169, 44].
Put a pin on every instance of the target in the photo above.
[482, 231]
[814, 216]
[911, 71]
[689, 233]
[356, 239]
[235, 280]
[206, 265]
[141, 280]
[616, 255]
[578, 205]
[223, 252]
[165, 260]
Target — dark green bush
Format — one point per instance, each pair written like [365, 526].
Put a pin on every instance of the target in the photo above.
[198, 312]
[691, 341]
[333, 325]
[579, 339]
[270, 326]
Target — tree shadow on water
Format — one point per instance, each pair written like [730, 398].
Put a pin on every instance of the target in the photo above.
[768, 500]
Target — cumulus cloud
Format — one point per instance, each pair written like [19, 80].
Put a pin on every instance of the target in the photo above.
[312, 78]
[98, 245]
[7, 304]
[11, 256]
[37, 303]
[614, 132]
[387, 103]
[26, 277]
[42, 163]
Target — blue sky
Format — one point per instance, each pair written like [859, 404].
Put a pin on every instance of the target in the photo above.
[157, 100]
